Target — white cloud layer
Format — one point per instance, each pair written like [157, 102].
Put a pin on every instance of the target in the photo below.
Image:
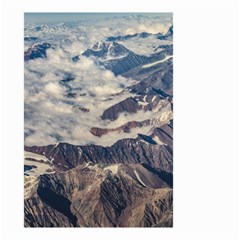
[65, 111]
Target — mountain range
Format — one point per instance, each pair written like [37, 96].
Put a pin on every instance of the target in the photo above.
[128, 183]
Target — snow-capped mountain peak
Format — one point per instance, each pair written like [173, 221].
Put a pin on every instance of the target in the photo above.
[106, 49]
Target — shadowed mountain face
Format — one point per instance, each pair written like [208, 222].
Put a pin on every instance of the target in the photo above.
[122, 173]
[36, 51]
[115, 57]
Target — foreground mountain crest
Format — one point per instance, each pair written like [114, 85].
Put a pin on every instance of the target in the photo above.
[124, 195]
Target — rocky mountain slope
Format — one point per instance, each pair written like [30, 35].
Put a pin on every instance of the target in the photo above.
[36, 51]
[118, 59]
[97, 195]
[140, 150]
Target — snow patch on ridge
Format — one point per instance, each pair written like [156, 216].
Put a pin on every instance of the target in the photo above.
[139, 179]
[41, 168]
[155, 63]
[158, 141]
[35, 156]
[154, 98]
[113, 168]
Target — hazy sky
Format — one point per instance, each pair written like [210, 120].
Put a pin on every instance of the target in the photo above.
[64, 17]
